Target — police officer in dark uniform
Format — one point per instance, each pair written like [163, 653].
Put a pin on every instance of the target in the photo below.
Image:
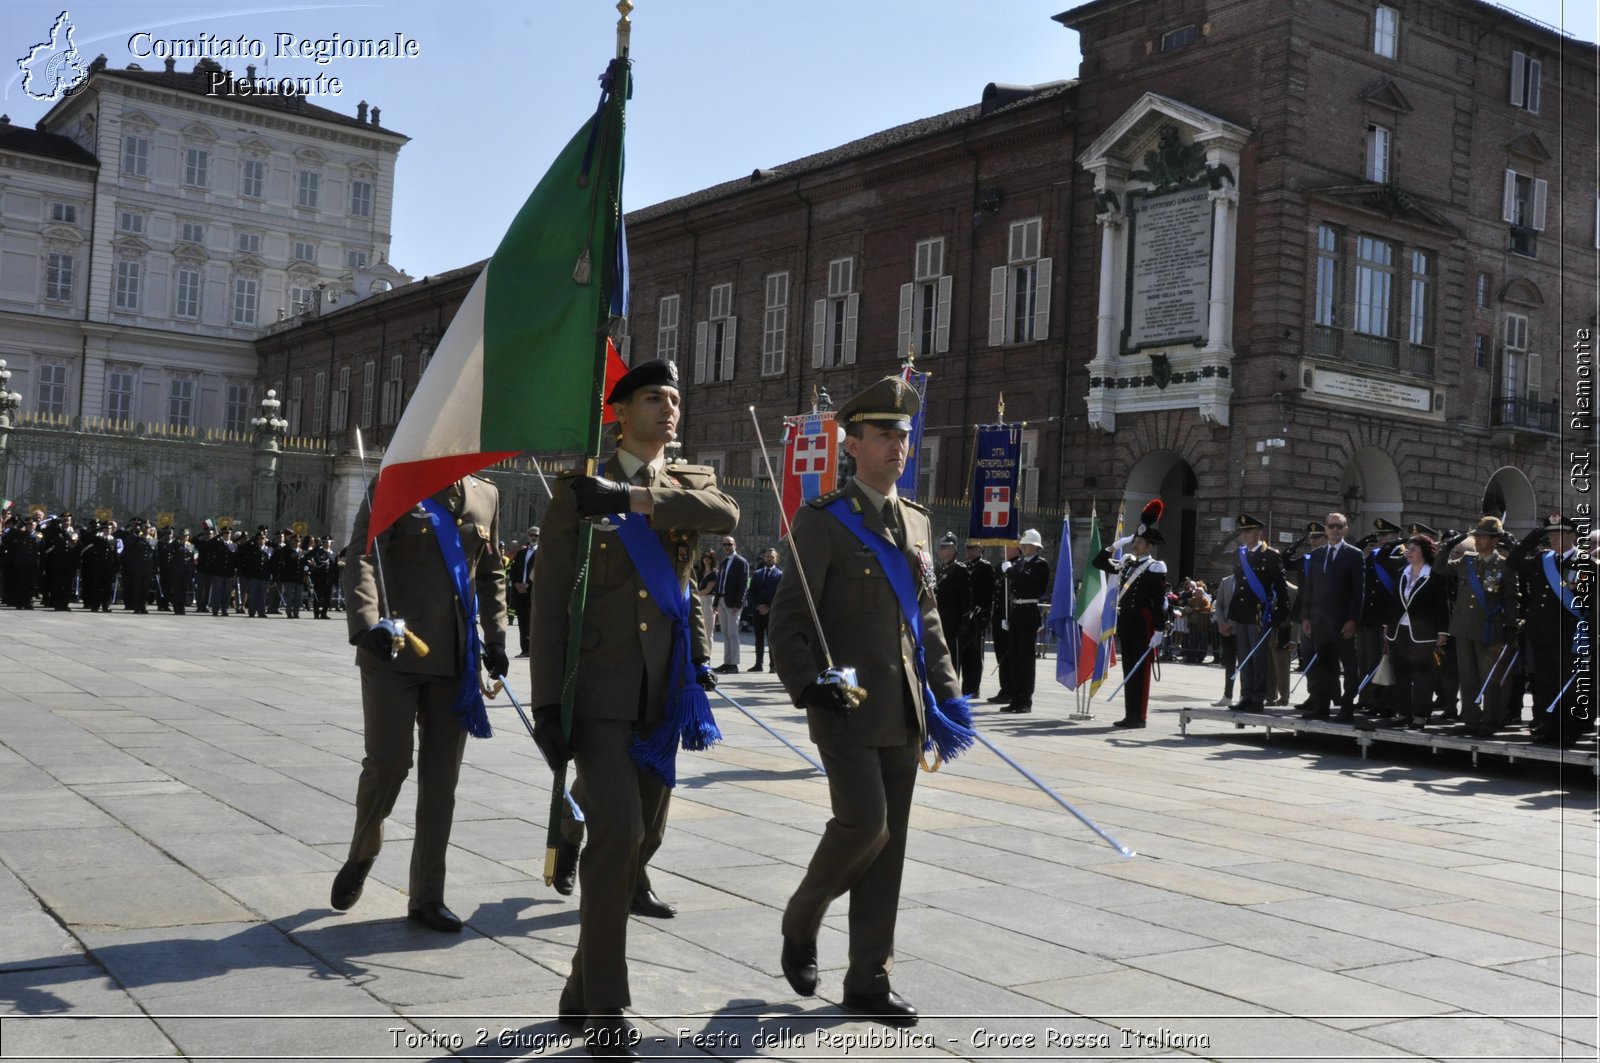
[175, 568]
[60, 561]
[98, 564]
[289, 572]
[1027, 582]
[1559, 591]
[1377, 601]
[323, 564]
[253, 560]
[954, 594]
[23, 547]
[1260, 604]
[138, 561]
[1141, 610]
[981, 572]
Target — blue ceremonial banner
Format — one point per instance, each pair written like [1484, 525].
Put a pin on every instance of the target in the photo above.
[994, 519]
[906, 486]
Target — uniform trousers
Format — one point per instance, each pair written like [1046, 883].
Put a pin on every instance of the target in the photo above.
[1002, 647]
[256, 593]
[1133, 639]
[1474, 661]
[572, 830]
[1278, 670]
[616, 816]
[176, 582]
[221, 594]
[321, 596]
[972, 659]
[292, 594]
[862, 852]
[1017, 669]
[1253, 674]
[392, 704]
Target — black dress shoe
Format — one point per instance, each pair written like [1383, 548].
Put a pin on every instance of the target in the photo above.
[436, 916]
[607, 1035]
[347, 884]
[645, 902]
[799, 963]
[1314, 714]
[1246, 706]
[890, 1008]
[727, 669]
[1127, 723]
[1346, 715]
[1018, 706]
[1000, 697]
[569, 1013]
[566, 877]
[757, 668]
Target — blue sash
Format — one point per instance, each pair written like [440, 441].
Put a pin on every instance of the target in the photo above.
[468, 703]
[1385, 578]
[1476, 583]
[1568, 600]
[949, 723]
[687, 714]
[1255, 587]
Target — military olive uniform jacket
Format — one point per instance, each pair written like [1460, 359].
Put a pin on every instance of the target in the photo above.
[864, 626]
[626, 643]
[419, 585]
[1499, 588]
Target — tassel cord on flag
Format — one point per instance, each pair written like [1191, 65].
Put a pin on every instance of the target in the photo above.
[1057, 798]
[1259, 642]
[759, 722]
[1490, 677]
[1303, 673]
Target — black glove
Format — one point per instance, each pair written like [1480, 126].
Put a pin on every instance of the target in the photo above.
[377, 640]
[705, 676]
[548, 737]
[597, 496]
[495, 659]
[825, 697]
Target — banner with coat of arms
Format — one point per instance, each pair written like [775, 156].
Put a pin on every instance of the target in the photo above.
[810, 459]
[994, 519]
[906, 486]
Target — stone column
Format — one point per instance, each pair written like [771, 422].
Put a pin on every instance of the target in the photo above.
[1220, 337]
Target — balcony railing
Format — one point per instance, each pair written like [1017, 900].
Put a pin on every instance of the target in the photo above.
[1523, 413]
[1379, 352]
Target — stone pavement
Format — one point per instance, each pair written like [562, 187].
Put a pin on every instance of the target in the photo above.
[177, 796]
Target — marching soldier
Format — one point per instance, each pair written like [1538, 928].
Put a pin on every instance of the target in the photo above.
[954, 594]
[1329, 607]
[324, 570]
[1027, 582]
[637, 655]
[1560, 584]
[864, 552]
[981, 570]
[442, 576]
[1141, 610]
[1260, 603]
[1481, 623]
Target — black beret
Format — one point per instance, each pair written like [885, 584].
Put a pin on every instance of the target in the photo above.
[659, 373]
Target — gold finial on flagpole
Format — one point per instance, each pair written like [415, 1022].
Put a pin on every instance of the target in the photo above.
[1000, 408]
[624, 27]
[813, 398]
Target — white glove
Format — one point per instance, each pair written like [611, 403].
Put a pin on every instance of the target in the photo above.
[1155, 638]
[1120, 543]
[1005, 625]
[1005, 566]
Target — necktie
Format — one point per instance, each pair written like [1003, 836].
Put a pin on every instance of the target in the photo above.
[891, 521]
[1327, 555]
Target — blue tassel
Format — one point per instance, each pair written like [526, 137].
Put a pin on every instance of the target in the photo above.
[950, 727]
[658, 754]
[700, 731]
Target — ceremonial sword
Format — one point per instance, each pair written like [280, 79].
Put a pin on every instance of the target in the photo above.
[400, 636]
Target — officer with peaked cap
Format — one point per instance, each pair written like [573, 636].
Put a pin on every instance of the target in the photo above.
[1482, 623]
[626, 670]
[1141, 609]
[954, 592]
[863, 551]
[981, 571]
[1260, 603]
[1559, 588]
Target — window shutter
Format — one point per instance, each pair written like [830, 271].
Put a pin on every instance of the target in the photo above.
[1508, 210]
[903, 344]
[728, 346]
[1534, 69]
[700, 352]
[1041, 305]
[941, 320]
[852, 306]
[1535, 375]
[1519, 64]
[997, 305]
[819, 334]
[1541, 192]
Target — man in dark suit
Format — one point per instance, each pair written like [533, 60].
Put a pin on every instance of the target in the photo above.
[1329, 608]
[404, 692]
[763, 588]
[521, 576]
[625, 669]
[847, 540]
[981, 571]
[733, 580]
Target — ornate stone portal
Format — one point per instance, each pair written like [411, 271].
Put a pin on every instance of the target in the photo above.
[1166, 201]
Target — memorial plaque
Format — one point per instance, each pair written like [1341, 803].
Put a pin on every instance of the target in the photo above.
[1169, 269]
[1370, 391]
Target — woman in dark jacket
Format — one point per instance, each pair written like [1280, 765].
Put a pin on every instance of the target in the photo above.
[1416, 630]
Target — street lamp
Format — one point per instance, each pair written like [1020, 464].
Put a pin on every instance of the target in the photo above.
[264, 489]
[10, 403]
[267, 423]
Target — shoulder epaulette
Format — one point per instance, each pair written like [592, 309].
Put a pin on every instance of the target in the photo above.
[705, 470]
[822, 500]
[1158, 566]
[904, 501]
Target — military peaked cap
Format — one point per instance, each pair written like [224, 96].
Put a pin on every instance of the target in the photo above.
[890, 403]
[1248, 523]
[1381, 525]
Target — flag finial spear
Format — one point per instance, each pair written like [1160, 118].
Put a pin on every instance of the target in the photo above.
[1000, 407]
[624, 27]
